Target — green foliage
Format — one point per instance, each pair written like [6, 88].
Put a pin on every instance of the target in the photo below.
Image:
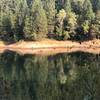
[28, 28]
[35, 19]
[77, 6]
[87, 13]
[36, 22]
[66, 35]
[66, 23]
[15, 10]
[85, 27]
[71, 20]
[59, 23]
[49, 6]
[67, 5]
[96, 27]
[96, 5]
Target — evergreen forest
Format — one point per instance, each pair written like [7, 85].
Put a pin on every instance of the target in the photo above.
[57, 19]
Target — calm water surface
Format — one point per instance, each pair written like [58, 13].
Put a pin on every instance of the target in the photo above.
[74, 76]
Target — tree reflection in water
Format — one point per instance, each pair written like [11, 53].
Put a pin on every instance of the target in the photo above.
[74, 76]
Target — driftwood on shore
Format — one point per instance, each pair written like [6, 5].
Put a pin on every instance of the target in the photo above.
[47, 47]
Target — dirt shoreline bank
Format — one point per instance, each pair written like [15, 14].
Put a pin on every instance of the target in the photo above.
[46, 47]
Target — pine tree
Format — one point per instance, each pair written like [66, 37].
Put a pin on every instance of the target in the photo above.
[28, 28]
[67, 6]
[36, 22]
[5, 22]
[87, 12]
[49, 6]
[70, 21]
[17, 17]
[77, 6]
[13, 12]
[59, 4]
[96, 5]
[59, 23]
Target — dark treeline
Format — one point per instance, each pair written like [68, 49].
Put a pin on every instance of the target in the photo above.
[59, 19]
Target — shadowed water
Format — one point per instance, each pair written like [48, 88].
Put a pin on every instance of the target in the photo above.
[73, 76]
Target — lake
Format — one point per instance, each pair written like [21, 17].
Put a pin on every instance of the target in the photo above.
[65, 76]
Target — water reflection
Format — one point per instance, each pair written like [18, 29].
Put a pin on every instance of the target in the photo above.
[74, 76]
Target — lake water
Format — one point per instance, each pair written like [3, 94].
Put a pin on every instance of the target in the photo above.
[73, 76]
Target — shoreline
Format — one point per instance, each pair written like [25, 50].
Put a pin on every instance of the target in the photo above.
[48, 47]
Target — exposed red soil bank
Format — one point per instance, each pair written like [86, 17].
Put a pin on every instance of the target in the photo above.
[47, 46]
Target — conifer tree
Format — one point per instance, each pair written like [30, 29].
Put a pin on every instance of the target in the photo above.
[13, 12]
[87, 13]
[17, 15]
[36, 21]
[67, 6]
[96, 5]
[49, 6]
[5, 22]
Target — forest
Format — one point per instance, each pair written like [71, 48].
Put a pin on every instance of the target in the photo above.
[57, 19]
